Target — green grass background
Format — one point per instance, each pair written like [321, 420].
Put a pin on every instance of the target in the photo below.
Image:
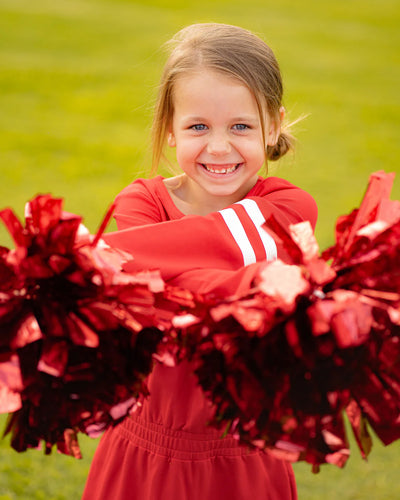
[78, 80]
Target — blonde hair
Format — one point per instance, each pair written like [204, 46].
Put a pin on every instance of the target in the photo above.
[230, 50]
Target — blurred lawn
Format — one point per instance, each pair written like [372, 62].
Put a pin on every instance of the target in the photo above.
[78, 80]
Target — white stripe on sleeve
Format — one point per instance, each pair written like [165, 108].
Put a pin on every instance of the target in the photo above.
[239, 234]
[258, 220]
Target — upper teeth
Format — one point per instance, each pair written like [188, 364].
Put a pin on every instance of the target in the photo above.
[220, 170]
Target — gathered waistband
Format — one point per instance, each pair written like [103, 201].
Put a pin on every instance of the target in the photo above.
[178, 444]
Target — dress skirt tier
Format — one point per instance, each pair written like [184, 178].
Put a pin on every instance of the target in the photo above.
[166, 451]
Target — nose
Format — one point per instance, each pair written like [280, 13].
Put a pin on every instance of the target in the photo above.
[218, 145]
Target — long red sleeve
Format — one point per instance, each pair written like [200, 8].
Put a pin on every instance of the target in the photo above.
[222, 242]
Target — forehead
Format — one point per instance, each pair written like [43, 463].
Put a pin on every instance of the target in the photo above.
[208, 90]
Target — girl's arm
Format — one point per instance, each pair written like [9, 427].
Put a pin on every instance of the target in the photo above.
[218, 244]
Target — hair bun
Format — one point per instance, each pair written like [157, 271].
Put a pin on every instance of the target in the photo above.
[284, 143]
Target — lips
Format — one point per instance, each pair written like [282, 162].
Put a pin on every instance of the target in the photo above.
[220, 169]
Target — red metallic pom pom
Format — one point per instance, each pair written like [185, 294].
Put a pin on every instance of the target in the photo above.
[77, 335]
[311, 340]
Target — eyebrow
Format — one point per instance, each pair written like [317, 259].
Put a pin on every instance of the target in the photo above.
[194, 118]
[246, 119]
[234, 119]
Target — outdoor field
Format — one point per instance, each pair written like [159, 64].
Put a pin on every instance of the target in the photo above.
[78, 80]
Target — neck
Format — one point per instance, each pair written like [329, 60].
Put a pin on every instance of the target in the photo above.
[192, 200]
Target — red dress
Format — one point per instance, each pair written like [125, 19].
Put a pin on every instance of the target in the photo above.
[166, 451]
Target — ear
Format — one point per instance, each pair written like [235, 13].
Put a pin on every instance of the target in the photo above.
[275, 128]
[171, 140]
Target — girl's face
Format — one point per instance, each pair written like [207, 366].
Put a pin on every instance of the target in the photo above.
[217, 132]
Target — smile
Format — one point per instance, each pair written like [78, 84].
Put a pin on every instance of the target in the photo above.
[220, 169]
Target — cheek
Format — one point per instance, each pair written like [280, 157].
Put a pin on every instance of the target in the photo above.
[253, 147]
[256, 154]
[188, 147]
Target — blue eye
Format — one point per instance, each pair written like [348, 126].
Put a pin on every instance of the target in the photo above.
[199, 127]
[241, 126]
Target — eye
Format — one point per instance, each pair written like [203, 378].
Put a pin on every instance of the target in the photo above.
[199, 127]
[240, 127]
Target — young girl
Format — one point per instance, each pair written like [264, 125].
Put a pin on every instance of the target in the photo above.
[220, 107]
